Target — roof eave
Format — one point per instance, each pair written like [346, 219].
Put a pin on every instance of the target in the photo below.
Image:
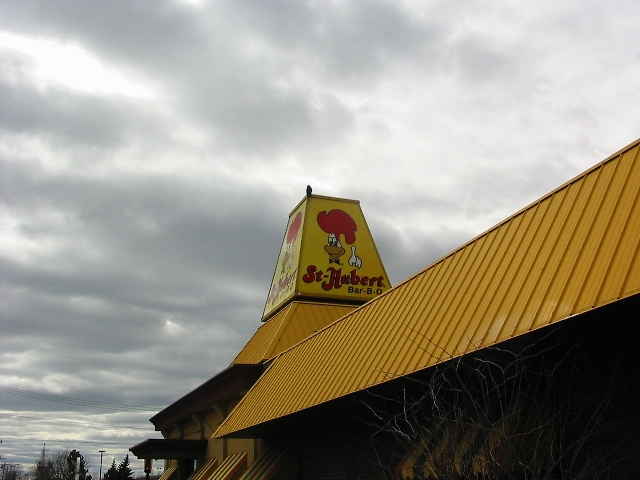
[230, 383]
[170, 449]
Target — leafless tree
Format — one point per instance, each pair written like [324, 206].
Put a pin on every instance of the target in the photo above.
[502, 414]
[60, 465]
[11, 471]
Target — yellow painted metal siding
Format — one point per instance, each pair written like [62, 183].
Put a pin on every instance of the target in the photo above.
[573, 250]
[231, 467]
[205, 471]
[268, 464]
[305, 319]
[255, 351]
[168, 473]
[291, 325]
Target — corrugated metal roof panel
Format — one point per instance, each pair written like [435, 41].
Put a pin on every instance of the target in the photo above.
[306, 319]
[205, 471]
[289, 326]
[268, 463]
[573, 250]
[231, 467]
[168, 473]
[255, 351]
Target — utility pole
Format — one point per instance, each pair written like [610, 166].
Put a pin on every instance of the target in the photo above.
[77, 472]
[101, 452]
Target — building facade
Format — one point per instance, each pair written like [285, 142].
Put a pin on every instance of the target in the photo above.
[514, 356]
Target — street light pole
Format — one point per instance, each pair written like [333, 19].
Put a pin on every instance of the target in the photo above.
[101, 452]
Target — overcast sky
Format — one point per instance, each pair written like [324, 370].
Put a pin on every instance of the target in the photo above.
[152, 150]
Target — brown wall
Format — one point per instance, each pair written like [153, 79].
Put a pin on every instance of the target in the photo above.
[203, 426]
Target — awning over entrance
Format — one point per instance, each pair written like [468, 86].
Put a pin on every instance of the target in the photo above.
[267, 464]
[204, 472]
[168, 473]
[231, 467]
[169, 449]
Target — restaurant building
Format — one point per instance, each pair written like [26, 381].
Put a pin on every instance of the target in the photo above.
[514, 356]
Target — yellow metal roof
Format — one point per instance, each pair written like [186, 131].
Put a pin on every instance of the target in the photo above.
[231, 467]
[205, 471]
[268, 463]
[168, 473]
[575, 249]
[289, 326]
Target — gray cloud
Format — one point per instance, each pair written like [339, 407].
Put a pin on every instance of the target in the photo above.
[65, 117]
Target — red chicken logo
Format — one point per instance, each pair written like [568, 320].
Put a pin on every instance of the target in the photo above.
[292, 234]
[339, 223]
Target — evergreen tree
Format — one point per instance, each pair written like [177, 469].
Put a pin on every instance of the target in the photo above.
[72, 458]
[43, 469]
[112, 473]
[124, 470]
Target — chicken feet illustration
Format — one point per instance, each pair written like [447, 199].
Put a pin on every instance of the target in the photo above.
[354, 260]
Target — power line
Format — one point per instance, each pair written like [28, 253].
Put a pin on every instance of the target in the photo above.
[54, 441]
[77, 401]
[85, 424]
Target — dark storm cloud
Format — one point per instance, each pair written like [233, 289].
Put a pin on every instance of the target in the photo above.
[191, 54]
[479, 62]
[402, 252]
[347, 42]
[251, 115]
[145, 275]
[166, 220]
[119, 29]
[232, 65]
[59, 114]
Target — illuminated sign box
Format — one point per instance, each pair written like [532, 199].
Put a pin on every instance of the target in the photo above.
[327, 253]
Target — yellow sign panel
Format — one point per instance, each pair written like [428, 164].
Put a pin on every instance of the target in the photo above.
[327, 252]
[284, 278]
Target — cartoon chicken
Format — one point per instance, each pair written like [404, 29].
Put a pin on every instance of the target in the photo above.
[292, 234]
[337, 223]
